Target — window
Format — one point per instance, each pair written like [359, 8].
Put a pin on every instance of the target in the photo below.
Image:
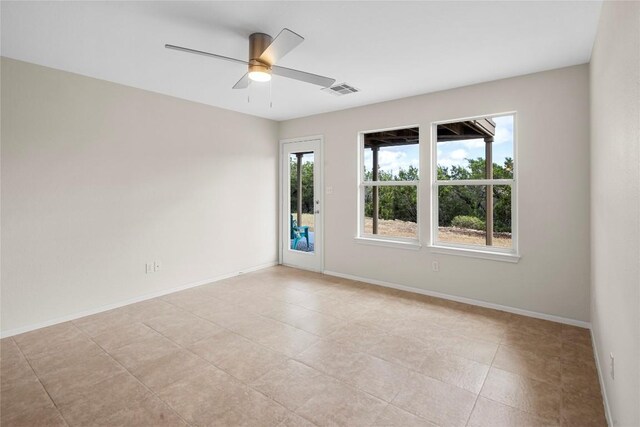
[389, 184]
[474, 184]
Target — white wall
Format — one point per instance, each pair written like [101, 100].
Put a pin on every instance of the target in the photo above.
[615, 206]
[553, 160]
[98, 179]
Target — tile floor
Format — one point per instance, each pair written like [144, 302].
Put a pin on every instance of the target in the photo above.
[284, 347]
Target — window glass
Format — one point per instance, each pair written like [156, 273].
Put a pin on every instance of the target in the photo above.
[464, 149]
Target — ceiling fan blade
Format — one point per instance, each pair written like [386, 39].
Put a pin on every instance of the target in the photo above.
[284, 43]
[243, 83]
[302, 76]
[200, 52]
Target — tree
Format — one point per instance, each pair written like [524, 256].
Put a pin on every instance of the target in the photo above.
[470, 200]
[307, 185]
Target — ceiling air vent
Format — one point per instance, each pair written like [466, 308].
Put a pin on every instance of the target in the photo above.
[341, 89]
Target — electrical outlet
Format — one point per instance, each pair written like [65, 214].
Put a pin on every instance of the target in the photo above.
[156, 266]
[435, 266]
[329, 190]
[612, 366]
[149, 267]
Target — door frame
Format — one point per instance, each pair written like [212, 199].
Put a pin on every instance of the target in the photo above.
[320, 196]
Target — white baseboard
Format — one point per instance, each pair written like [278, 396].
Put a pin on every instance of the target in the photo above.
[603, 390]
[21, 330]
[464, 300]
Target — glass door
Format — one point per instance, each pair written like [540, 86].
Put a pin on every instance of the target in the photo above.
[301, 204]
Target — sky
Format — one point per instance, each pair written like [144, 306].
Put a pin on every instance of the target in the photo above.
[449, 153]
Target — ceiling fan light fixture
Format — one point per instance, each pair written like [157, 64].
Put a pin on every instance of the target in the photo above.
[259, 72]
[260, 76]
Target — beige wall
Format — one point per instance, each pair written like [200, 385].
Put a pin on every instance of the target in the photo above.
[615, 206]
[99, 178]
[553, 159]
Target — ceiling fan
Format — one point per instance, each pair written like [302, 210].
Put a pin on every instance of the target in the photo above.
[264, 52]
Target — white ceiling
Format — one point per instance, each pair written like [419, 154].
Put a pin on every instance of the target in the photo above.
[388, 50]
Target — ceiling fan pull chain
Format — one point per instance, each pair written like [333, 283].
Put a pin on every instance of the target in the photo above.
[270, 97]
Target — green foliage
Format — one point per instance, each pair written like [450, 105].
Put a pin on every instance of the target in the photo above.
[465, 221]
[396, 202]
[307, 186]
[470, 200]
[400, 202]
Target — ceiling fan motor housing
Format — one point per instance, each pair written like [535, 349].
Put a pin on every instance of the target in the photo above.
[258, 43]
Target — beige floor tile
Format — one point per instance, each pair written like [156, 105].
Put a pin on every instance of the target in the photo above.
[63, 383]
[15, 371]
[305, 319]
[189, 299]
[484, 314]
[375, 376]
[252, 301]
[19, 400]
[292, 384]
[435, 401]
[332, 358]
[102, 322]
[230, 317]
[340, 292]
[237, 355]
[362, 355]
[49, 340]
[91, 404]
[583, 411]
[539, 327]
[193, 303]
[254, 326]
[393, 416]
[580, 379]
[529, 395]
[120, 336]
[290, 295]
[333, 307]
[527, 364]
[150, 412]
[424, 328]
[75, 353]
[385, 319]
[183, 328]
[577, 353]
[341, 405]
[476, 350]
[212, 397]
[139, 353]
[544, 345]
[576, 335]
[44, 416]
[159, 373]
[150, 308]
[305, 284]
[9, 351]
[357, 335]
[488, 413]
[482, 329]
[404, 351]
[294, 420]
[454, 370]
[378, 377]
[287, 340]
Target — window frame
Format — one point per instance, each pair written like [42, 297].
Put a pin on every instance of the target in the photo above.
[494, 253]
[376, 239]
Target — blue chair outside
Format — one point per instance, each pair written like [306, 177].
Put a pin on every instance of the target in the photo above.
[298, 233]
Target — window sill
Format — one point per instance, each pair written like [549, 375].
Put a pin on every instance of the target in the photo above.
[475, 253]
[411, 245]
